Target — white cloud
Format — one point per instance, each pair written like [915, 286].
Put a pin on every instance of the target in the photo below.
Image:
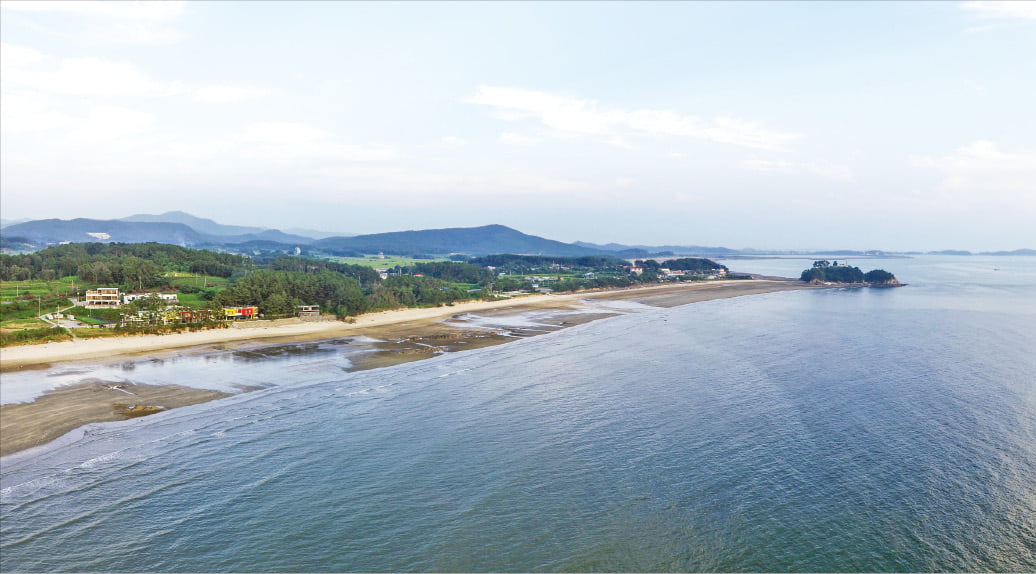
[119, 22]
[282, 133]
[570, 116]
[832, 171]
[27, 69]
[982, 173]
[514, 138]
[421, 186]
[13, 56]
[226, 94]
[112, 122]
[148, 11]
[452, 141]
[1014, 9]
[21, 113]
[294, 141]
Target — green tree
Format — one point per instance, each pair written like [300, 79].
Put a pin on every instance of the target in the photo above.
[277, 304]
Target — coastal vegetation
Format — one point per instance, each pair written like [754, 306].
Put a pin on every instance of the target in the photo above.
[45, 289]
[825, 271]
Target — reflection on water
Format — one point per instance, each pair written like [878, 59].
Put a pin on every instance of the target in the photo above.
[838, 430]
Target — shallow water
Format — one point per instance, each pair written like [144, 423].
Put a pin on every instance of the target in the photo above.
[834, 430]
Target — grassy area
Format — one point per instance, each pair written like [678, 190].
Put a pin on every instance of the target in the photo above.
[179, 280]
[30, 308]
[86, 333]
[199, 284]
[378, 263]
[12, 290]
[21, 324]
[192, 299]
[32, 336]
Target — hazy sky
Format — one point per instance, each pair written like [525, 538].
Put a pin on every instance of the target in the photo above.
[872, 125]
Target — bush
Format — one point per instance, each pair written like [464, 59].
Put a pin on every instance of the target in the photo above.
[29, 336]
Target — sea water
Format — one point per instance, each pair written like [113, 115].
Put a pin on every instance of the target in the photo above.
[829, 430]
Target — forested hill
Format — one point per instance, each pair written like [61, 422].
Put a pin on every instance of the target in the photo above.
[827, 272]
[486, 240]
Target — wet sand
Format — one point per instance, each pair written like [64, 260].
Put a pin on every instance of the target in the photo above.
[405, 335]
[25, 425]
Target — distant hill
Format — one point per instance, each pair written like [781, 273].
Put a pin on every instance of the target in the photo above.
[1015, 252]
[633, 250]
[315, 234]
[49, 231]
[6, 222]
[486, 240]
[235, 233]
[198, 224]
[43, 231]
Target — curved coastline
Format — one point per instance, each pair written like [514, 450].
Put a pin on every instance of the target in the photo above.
[45, 354]
[56, 412]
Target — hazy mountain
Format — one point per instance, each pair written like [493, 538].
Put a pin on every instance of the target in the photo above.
[672, 249]
[236, 233]
[5, 222]
[1014, 252]
[315, 234]
[486, 240]
[44, 231]
[199, 224]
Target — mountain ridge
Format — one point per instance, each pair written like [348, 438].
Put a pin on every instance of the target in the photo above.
[483, 240]
[82, 230]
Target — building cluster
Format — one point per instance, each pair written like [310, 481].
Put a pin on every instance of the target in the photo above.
[667, 273]
[173, 312]
[113, 298]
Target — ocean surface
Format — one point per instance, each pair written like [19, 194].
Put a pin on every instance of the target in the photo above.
[829, 430]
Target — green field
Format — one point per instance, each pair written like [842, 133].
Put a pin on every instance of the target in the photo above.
[378, 263]
[203, 282]
[181, 279]
[11, 290]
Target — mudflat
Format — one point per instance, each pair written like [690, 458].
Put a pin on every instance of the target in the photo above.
[405, 335]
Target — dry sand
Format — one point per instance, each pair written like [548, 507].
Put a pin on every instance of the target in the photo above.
[409, 335]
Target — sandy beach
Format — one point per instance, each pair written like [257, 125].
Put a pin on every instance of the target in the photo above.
[406, 335]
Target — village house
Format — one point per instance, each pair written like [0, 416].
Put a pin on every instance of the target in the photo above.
[240, 313]
[103, 298]
[169, 298]
[167, 316]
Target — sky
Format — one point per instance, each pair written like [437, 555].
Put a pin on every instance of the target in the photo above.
[768, 125]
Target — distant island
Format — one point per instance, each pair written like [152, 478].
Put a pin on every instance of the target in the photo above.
[825, 271]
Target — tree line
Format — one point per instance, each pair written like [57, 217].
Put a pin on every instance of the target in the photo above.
[140, 264]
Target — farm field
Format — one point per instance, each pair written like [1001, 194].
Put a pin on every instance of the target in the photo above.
[12, 290]
[379, 263]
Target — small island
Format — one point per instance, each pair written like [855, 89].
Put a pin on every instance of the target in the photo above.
[826, 272]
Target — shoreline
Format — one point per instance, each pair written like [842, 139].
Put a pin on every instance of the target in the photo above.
[46, 354]
[404, 335]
